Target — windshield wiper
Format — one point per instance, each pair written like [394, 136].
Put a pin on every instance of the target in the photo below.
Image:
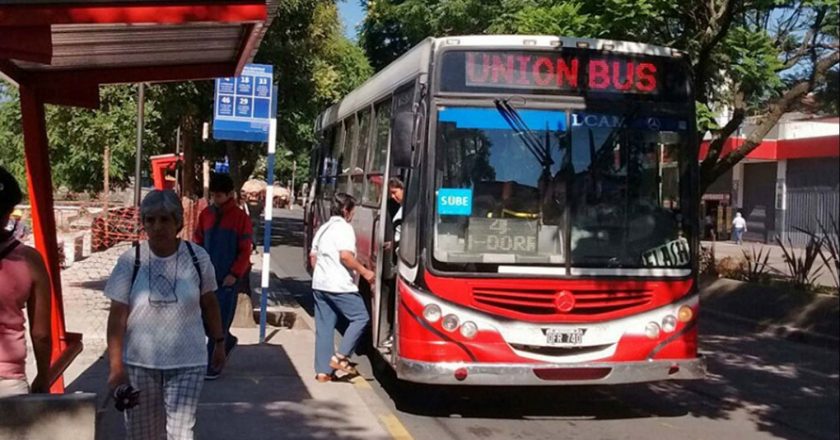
[518, 125]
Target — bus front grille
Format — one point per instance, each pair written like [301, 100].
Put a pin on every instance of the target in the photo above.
[545, 302]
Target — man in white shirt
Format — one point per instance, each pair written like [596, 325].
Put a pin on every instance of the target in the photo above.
[333, 256]
[739, 226]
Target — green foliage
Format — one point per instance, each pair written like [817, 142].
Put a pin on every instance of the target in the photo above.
[11, 132]
[705, 118]
[77, 139]
[753, 63]
[315, 65]
[802, 265]
[561, 19]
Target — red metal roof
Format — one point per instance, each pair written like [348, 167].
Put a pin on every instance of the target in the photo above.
[67, 49]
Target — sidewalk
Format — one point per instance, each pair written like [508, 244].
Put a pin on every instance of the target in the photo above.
[776, 260]
[812, 319]
[266, 390]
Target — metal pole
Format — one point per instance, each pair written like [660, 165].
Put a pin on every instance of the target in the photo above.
[139, 150]
[269, 205]
[292, 195]
[177, 159]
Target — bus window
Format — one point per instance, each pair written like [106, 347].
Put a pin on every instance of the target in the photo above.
[357, 172]
[351, 134]
[330, 167]
[376, 169]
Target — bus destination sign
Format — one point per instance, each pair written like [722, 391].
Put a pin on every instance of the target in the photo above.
[560, 72]
[505, 236]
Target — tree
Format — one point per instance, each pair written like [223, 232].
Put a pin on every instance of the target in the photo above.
[77, 138]
[757, 58]
[315, 65]
[11, 132]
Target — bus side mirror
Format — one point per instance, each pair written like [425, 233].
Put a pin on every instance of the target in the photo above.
[402, 136]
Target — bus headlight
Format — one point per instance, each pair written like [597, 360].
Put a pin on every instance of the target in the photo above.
[431, 313]
[652, 330]
[669, 323]
[450, 322]
[469, 329]
[685, 314]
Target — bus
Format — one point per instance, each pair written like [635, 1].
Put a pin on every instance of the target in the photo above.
[550, 215]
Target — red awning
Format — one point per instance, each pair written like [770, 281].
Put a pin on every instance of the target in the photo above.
[773, 149]
[66, 49]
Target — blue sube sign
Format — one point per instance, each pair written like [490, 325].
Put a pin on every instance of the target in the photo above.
[243, 105]
[454, 201]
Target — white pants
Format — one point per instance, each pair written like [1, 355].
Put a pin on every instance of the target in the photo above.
[13, 387]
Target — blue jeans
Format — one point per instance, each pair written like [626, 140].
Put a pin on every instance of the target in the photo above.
[739, 233]
[327, 307]
[227, 308]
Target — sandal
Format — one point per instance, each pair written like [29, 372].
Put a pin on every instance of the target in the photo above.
[323, 378]
[339, 362]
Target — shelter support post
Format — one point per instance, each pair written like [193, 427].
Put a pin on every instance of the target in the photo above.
[39, 182]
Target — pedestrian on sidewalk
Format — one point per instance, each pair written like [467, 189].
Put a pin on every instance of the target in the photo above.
[224, 230]
[333, 256]
[161, 293]
[24, 284]
[739, 226]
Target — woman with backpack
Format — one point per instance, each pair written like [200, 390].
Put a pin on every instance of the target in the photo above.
[160, 289]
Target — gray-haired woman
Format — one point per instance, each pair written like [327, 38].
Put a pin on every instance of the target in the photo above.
[159, 291]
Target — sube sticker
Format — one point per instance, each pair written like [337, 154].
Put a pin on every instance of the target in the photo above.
[454, 201]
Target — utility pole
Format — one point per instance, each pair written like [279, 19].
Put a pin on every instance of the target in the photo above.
[106, 191]
[292, 186]
[178, 163]
[141, 91]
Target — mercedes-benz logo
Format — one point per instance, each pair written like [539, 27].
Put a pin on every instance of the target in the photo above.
[654, 123]
[564, 302]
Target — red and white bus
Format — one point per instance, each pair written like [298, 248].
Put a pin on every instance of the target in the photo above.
[549, 227]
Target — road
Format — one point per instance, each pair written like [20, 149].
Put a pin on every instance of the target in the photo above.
[758, 387]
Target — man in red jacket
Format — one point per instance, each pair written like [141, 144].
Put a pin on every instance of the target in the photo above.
[224, 230]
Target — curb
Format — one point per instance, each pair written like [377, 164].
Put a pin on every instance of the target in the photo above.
[785, 332]
[386, 418]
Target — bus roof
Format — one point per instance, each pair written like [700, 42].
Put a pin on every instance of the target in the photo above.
[416, 61]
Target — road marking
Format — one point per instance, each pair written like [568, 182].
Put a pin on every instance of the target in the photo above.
[361, 382]
[395, 427]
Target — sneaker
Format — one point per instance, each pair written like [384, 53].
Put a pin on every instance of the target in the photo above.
[212, 374]
[388, 343]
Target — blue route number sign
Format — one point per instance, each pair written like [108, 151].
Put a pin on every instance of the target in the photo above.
[244, 104]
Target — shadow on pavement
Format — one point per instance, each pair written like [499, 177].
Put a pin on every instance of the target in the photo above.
[259, 395]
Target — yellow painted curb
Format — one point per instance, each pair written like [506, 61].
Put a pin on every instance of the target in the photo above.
[395, 427]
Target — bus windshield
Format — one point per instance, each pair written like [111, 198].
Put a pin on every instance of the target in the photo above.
[540, 187]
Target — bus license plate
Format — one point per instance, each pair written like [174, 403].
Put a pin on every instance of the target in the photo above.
[555, 336]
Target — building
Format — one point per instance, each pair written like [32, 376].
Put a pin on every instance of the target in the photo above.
[789, 183]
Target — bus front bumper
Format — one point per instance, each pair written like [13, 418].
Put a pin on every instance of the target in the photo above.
[550, 374]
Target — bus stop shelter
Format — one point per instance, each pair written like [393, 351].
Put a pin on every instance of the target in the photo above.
[60, 51]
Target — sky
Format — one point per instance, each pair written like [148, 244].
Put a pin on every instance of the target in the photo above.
[351, 14]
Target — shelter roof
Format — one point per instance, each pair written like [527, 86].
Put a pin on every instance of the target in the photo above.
[67, 48]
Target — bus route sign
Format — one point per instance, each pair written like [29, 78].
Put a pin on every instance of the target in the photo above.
[244, 104]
